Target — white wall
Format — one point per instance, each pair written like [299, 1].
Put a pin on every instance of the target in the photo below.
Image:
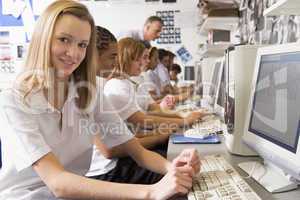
[122, 16]
[118, 15]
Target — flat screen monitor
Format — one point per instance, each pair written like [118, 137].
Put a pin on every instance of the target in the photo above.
[198, 90]
[221, 94]
[215, 82]
[189, 73]
[274, 116]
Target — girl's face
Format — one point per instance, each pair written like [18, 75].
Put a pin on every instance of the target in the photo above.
[108, 59]
[153, 61]
[135, 68]
[69, 42]
[145, 58]
[173, 75]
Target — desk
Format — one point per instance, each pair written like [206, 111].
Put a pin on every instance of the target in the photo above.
[206, 149]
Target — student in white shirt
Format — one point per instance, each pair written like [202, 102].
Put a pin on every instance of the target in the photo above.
[162, 70]
[150, 77]
[105, 165]
[122, 91]
[146, 86]
[49, 120]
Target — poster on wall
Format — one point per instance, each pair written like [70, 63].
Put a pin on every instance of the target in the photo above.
[170, 34]
[184, 54]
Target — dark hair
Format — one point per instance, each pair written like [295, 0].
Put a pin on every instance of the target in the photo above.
[103, 38]
[146, 44]
[171, 54]
[176, 67]
[154, 19]
[162, 53]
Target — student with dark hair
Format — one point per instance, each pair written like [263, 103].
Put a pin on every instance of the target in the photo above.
[109, 164]
[174, 71]
[150, 31]
[106, 45]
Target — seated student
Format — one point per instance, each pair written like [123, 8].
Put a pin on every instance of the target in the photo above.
[174, 70]
[105, 165]
[121, 90]
[49, 120]
[162, 70]
[146, 84]
[151, 78]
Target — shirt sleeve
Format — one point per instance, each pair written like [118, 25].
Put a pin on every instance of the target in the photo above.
[21, 132]
[163, 75]
[113, 129]
[122, 96]
[143, 98]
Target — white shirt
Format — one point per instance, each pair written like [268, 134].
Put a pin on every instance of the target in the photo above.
[163, 74]
[30, 131]
[135, 34]
[101, 165]
[124, 98]
[152, 79]
[144, 98]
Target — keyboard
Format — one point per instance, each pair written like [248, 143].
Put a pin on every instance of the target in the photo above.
[211, 123]
[218, 180]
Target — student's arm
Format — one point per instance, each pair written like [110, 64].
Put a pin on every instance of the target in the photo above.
[139, 118]
[64, 184]
[147, 140]
[154, 95]
[151, 141]
[146, 158]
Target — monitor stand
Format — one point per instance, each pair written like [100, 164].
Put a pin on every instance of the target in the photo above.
[269, 176]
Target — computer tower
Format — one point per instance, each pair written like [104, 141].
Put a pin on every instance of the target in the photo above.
[239, 68]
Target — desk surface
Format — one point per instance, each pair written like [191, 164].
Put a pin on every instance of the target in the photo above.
[206, 149]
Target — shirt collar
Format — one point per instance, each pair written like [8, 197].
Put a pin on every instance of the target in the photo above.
[38, 103]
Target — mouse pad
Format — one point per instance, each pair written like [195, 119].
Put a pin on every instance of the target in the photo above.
[180, 139]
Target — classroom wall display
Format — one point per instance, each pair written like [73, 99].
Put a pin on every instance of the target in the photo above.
[170, 34]
[184, 54]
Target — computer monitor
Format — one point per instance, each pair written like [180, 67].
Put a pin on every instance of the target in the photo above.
[221, 94]
[198, 89]
[215, 82]
[273, 118]
[239, 68]
[189, 73]
[216, 77]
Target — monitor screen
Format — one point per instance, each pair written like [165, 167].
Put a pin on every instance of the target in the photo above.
[215, 79]
[198, 85]
[221, 98]
[189, 73]
[275, 109]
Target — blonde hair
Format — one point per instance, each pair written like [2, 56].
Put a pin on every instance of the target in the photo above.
[38, 60]
[152, 52]
[129, 50]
